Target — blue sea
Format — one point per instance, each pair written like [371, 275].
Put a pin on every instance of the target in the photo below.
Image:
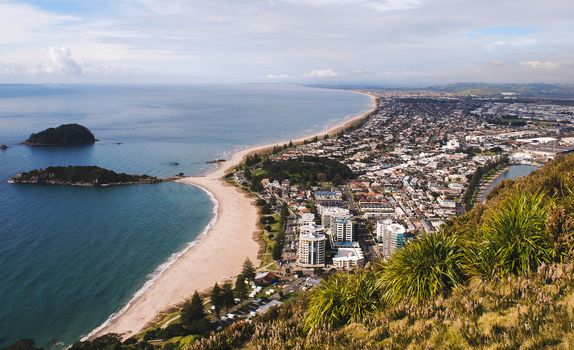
[71, 257]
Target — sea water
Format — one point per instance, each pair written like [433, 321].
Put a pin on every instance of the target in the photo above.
[70, 257]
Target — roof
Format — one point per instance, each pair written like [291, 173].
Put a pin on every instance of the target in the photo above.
[263, 309]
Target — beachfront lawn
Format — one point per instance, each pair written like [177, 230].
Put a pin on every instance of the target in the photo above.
[270, 238]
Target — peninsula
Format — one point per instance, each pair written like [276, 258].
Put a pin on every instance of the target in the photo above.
[63, 135]
[87, 176]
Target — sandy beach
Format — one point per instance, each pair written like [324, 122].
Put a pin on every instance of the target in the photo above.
[215, 256]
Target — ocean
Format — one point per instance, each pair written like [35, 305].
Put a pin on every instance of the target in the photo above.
[70, 257]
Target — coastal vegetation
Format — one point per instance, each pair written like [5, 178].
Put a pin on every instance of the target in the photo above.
[63, 135]
[80, 176]
[306, 171]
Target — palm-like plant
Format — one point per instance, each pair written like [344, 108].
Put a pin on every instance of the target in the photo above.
[423, 269]
[343, 298]
[514, 233]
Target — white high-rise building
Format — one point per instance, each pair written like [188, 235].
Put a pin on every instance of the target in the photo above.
[342, 230]
[307, 219]
[391, 235]
[328, 213]
[311, 251]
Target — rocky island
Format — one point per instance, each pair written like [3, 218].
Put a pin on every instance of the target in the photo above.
[63, 135]
[89, 176]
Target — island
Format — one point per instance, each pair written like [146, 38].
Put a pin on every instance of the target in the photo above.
[3, 147]
[63, 135]
[215, 161]
[87, 176]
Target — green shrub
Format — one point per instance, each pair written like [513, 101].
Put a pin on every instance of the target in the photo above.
[423, 269]
[514, 238]
[343, 298]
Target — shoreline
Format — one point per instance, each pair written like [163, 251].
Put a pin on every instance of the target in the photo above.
[230, 234]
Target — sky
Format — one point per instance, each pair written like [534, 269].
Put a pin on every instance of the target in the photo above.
[387, 42]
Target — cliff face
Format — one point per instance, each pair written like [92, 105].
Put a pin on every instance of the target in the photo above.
[64, 135]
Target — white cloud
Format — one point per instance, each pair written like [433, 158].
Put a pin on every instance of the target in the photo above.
[547, 65]
[510, 43]
[361, 72]
[60, 62]
[322, 73]
[379, 5]
[276, 76]
[394, 5]
[497, 63]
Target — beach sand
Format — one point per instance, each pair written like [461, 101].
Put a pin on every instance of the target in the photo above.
[215, 256]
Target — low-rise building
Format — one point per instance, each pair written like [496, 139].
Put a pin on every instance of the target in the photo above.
[348, 258]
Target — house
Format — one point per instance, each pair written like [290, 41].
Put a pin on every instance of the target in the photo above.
[266, 278]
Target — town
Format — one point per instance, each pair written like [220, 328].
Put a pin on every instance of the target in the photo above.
[346, 200]
[420, 158]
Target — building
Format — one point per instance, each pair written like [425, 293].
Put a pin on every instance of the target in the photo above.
[332, 212]
[342, 230]
[312, 241]
[265, 278]
[307, 219]
[348, 258]
[391, 235]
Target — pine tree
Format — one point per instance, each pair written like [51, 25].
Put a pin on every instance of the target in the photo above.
[193, 316]
[227, 294]
[192, 311]
[240, 289]
[248, 269]
[217, 298]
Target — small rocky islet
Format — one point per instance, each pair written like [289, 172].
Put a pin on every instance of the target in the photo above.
[63, 135]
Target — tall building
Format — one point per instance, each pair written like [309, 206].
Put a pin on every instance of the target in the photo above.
[391, 235]
[327, 213]
[307, 219]
[342, 230]
[312, 241]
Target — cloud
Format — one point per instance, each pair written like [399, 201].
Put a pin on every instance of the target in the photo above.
[276, 76]
[510, 43]
[379, 5]
[390, 5]
[547, 65]
[361, 72]
[322, 73]
[60, 62]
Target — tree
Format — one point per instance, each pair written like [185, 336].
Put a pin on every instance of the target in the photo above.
[228, 299]
[248, 269]
[240, 289]
[277, 248]
[290, 143]
[192, 310]
[193, 315]
[217, 298]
